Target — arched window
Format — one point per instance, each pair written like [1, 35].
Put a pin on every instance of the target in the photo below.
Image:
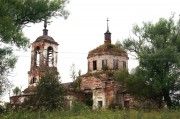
[50, 56]
[37, 56]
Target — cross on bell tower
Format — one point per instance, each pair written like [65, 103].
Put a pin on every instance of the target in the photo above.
[45, 31]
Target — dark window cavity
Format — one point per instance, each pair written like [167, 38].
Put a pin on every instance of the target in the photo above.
[33, 80]
[115, 64]
[94, 65]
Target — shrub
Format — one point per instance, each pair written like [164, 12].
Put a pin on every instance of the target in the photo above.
[2, 109]
[78, 107]
[105, 68]
[115, 106]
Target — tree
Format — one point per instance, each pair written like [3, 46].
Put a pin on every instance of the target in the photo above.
[16, 91]
[76, 79]
[121, 76]
[14, 16]
[7, 61]
[49, 93]
[157, 47]
[118, 44]
[77, 82]
[73, 72]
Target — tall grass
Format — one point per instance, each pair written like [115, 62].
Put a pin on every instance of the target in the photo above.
[92, 114]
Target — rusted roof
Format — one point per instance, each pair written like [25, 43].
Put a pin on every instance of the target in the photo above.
[46, 38]
[108, 49]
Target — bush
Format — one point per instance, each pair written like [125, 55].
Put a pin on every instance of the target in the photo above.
[115, 106]
[105, 68]
[2, 109]
[50, 93]
[78, 107]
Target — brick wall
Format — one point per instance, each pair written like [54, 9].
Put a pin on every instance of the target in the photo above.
[110, 59]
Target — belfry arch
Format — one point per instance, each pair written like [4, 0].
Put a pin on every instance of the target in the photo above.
[37, 56]
[50, 56]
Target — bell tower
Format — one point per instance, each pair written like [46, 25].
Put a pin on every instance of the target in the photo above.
[44, 56]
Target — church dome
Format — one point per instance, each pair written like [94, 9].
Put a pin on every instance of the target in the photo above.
[108, 49]
[46, 38]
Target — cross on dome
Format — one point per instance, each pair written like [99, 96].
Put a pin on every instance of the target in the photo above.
[107, 24]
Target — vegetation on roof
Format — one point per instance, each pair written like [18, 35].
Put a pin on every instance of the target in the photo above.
[111, 49]
[105, 75]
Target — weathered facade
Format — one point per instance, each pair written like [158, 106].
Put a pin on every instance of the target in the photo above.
[44, 56]
[103, 61]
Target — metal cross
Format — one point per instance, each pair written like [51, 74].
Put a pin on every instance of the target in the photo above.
[107, 24]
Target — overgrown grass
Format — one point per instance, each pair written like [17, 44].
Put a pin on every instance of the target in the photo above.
[92, 114]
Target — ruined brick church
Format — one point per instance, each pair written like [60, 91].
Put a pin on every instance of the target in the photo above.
[97, 85]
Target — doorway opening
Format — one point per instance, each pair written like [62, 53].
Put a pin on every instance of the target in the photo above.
[100, 104]
[126, 104]
[88, 98]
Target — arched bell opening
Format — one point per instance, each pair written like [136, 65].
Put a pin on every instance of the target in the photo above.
[37, 56]
[50, 58]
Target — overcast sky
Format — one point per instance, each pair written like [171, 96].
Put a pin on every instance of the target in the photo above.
[84, 30]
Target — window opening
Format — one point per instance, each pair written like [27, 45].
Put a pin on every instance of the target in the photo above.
[33, 80]
[124, 65]
[37, 56]
[50, 56]
[115, 64]
[104, 64]
[94, 65]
